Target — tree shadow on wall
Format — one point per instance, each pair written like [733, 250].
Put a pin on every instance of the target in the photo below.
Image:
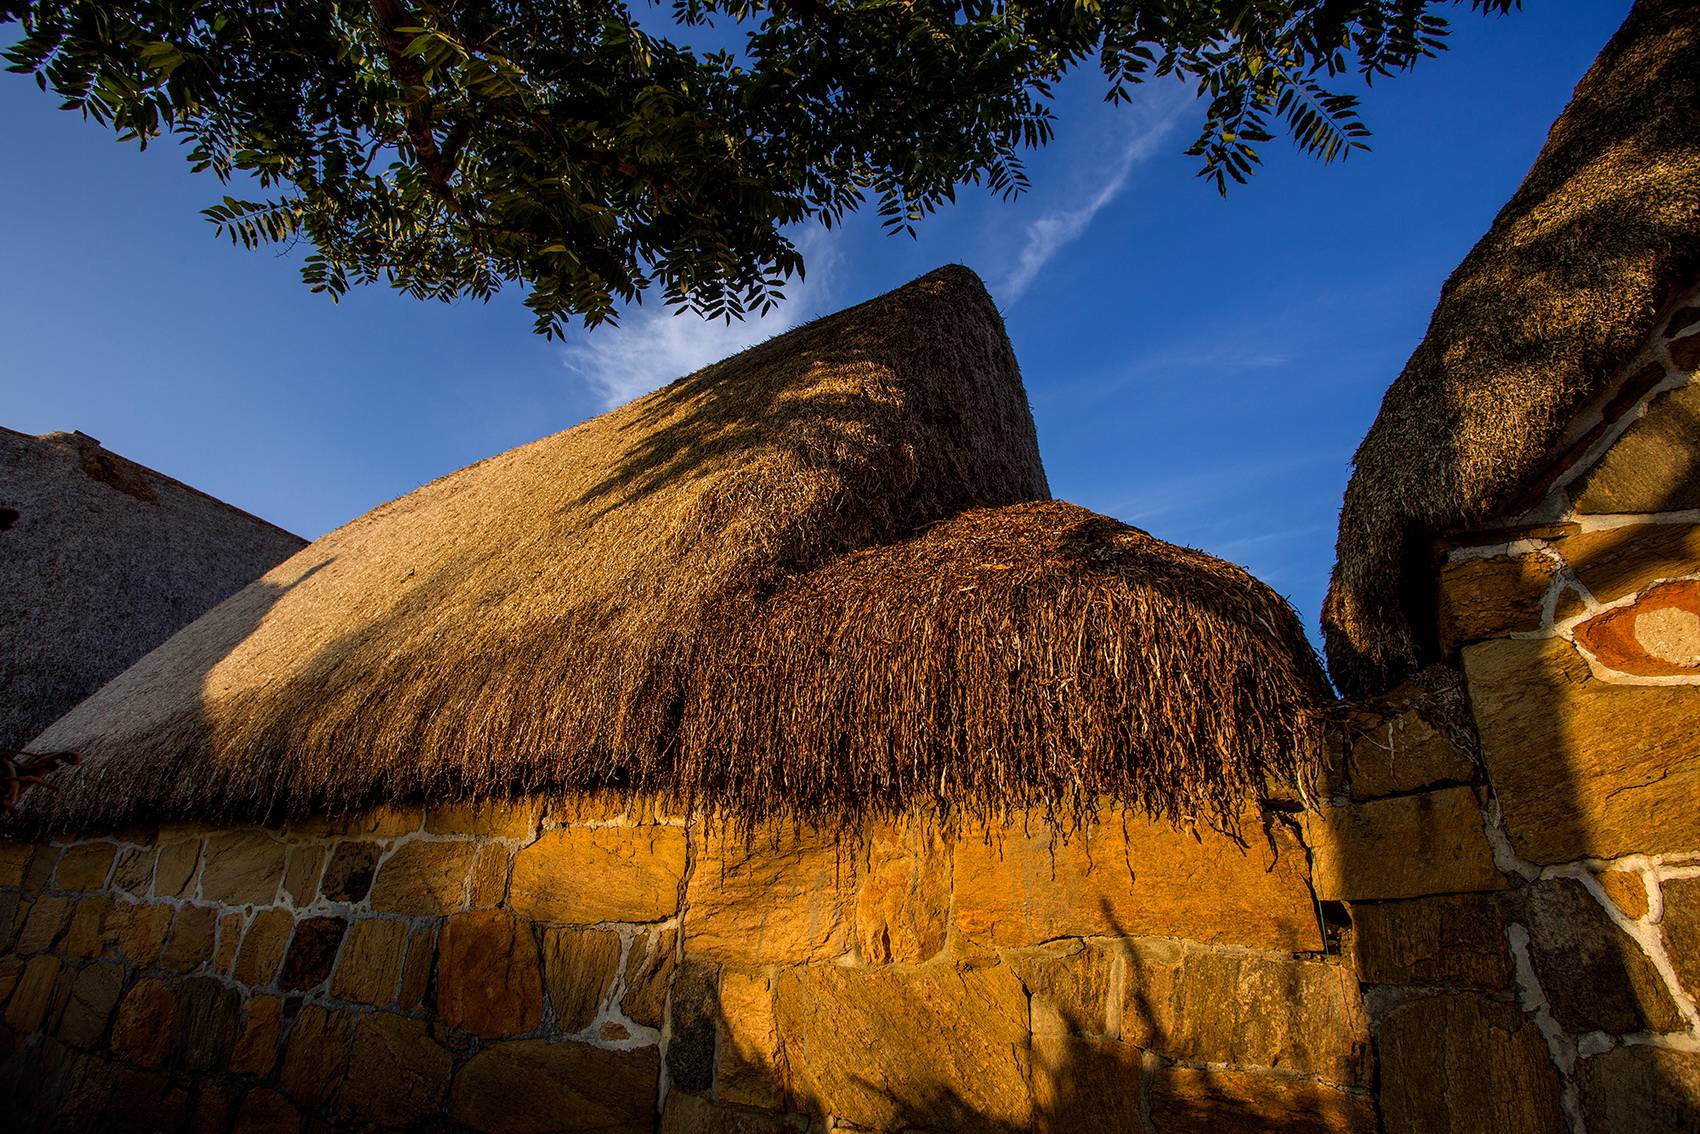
[911, 1074]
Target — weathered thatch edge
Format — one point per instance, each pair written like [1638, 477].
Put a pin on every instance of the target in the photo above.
[1535, 323]
[1035, 656]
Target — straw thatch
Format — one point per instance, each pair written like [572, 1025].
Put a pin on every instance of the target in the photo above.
[101, 560]
[1036, 655]
[662, 599]
[1533, 325]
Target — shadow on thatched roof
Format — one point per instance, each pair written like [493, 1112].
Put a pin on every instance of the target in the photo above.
[664, 599]
[101, 560]
[1535, 323]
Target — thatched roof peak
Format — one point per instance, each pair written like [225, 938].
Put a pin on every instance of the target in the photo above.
[1534, 324]
[731, 590]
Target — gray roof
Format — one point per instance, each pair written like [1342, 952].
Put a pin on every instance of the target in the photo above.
[101, 560]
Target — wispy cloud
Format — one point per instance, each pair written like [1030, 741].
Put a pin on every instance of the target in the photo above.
[653, 345]
[1208, 495]
[1152, 120]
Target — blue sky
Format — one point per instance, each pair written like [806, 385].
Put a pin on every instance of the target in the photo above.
[1200, 367]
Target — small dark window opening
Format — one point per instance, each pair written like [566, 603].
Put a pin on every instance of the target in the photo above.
[8, 517]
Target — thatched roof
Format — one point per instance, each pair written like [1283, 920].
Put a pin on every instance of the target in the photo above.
[666, 599]
[101, 560]
[1533, 325]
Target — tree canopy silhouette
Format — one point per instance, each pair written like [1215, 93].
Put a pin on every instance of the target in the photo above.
[447, 147]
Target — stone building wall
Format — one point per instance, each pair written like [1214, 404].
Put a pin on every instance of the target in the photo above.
[578, 966]
[1516, 836]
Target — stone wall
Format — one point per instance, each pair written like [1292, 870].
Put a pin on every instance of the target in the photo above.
[1516, 836]
[579, 966]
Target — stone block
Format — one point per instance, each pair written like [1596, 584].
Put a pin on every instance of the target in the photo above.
[492, 819]
[215, 1108]
[490, 877]
[883, 1047]
[94, 993]
[204, 1025]
[348, 875]
[11, 968]
[316, 1055]
[695, 1008]
[1685, 350]
[1639, 1089]
[1404, 753]
[387, 822]
[1681, 929]
[136, 930]
[775, 898]
[1190, 1100]
[1595, 976]
[1654, 466]
[579, 966]
[142, 1028]
[194, 931]
[312, 952]
[1492, 597]
[1615, 562]
[150, 1100]
[256, 1047]
[40, 870]
[1451, 940]
[539, 1087]
[696, 1114]
[903, 903]
[264, 1111]
[1464, 1062]
[243, 868]
[13, 910]
[85, 866]
[1656, 635]
[649, 972]
[263, 947]
[229, 940]
[1203, 1006]
[178, 870]
[748, 1065]
[422, 878]
[370, 966]
[1068, 987]
[1084, 1084]
[1026, 885]
[43, 924]
[397, 1074]
[1627, 890]
[85, 931]
[488, 979]
[586, 875]
[416, 969]
[1404, 847]
[1572, 780]
[301, 873]
[14, 861]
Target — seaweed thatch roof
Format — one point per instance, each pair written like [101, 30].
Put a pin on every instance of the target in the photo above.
[101, 560]
[822, 575]
[1534, 325]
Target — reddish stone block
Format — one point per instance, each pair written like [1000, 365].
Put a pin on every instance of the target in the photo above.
[488, 979]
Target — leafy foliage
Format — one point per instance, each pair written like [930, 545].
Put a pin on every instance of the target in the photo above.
[449, 146]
